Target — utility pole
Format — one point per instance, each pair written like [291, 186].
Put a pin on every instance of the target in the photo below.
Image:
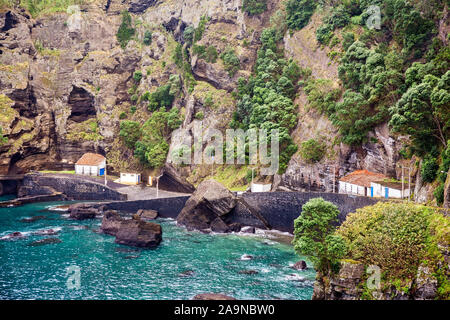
[253, 176]
[403, 183]
[106, 181]
[157, 185]
[409, 183]
[334, 179]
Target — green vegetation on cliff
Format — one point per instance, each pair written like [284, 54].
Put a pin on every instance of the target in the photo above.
[314, 235]
[254, 7]
[265, 100]
[40, 7]
[398, 238]
[126, 30]
[3, 140]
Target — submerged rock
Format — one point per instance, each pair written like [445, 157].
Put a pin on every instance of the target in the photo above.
[139, 233]
[212, 296]
[32, 219]
[14, 235]
[248, 272]
[301, 265]
[187, 273]
[46, 232]
[43, 242]
[246, 257]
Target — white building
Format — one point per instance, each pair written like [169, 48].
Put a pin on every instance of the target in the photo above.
[257, 187]
[359, 182]
[390, 190]
[91, 164]
[130, 178]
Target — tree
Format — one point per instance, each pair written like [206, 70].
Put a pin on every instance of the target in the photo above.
[254, 7]
[299, 12]
[126, 30]
[423, 112]
[130, 132]
[314, 235]
[312, 151]
[147, 38]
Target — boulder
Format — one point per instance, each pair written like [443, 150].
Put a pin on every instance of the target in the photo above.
[82, 211]
[235, 227]
[427, 284]
[219, 226]
[301, 265]
[139, 233]
[209, 202]
[171, 180]
[212, 296]
[111, 222]
[147, 214]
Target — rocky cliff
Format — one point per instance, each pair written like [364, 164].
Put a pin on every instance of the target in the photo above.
[66, 83]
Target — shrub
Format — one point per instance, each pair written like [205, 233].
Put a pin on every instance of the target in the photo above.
[299, 12]
[324, 34]
[429, 169]
[126, 30]
[137, 76]
[130, 133]
[199, 115]
[312, 151]
[211, 54]
[3, 140]
[161, 98]
[188, 34]
[230, 61]
[123, 115]
[397, 237]
[254, 7]
[313, 235]
[147, 38]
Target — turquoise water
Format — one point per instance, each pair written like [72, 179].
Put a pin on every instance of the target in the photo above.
[7, 197]
[185, 264]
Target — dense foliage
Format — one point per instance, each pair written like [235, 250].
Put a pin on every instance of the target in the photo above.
[147, 38]
[314, 235]
[265, 100]
[130, 132]
[299, 12]
[254, 7]
[312, 151]
[126, 30]
[230, 61]
[398, 237]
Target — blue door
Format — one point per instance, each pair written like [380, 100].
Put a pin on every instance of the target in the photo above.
[386, 193]
[371, 192]
[102, 172]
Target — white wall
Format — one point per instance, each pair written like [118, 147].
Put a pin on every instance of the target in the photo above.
[131, 178]
[345, 187]
[87, 170]
[261, 187]
[379, 191]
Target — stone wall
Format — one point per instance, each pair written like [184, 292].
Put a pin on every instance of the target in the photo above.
[278, 209]
[74, 188]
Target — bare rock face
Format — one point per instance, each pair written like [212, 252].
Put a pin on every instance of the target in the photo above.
[171, 180]
[82, 211]
[138, 233]
[426, 284]
[111, 222]
[212, 296]
[207, 206]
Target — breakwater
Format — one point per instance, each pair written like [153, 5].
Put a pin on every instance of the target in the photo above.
[279, 209]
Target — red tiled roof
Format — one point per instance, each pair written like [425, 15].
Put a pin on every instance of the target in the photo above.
[363, 178]
[91, 159]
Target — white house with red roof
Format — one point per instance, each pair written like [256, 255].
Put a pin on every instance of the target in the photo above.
[359, 182]
[91, 164]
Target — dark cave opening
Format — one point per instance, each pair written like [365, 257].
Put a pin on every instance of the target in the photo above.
[82, 105]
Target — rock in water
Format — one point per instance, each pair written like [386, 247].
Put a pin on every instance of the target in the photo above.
[82, 211]
[32, 219]
[43, 242]
[147, 214]
[111, 222]
[212, 296]
[139, 233]
[301, 265]
[209, 202]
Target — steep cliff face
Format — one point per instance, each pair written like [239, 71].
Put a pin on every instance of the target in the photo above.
[66, 81]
